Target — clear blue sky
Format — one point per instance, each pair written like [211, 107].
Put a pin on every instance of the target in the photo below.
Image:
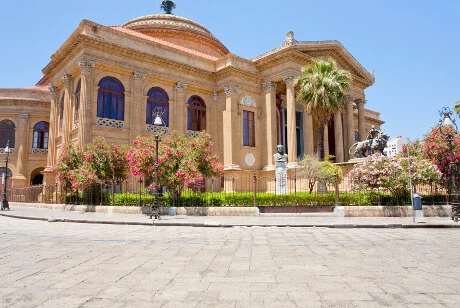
[413, 46]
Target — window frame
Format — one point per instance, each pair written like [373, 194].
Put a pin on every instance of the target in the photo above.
[7, 133]
[41, 136]
[196, 114]
[153, 102]
[249, 128]
[111, 99]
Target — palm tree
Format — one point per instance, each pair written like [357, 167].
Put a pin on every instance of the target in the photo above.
[457, 107]
[323, 88]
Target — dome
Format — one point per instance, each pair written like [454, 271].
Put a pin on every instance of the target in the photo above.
[180, 31]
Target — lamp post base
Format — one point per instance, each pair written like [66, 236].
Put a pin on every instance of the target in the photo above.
[5, 205]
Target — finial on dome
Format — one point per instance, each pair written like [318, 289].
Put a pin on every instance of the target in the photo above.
[167, 6]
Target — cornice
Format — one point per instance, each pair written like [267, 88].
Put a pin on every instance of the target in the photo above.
[283, 56]
[83, 41]
[231, 71]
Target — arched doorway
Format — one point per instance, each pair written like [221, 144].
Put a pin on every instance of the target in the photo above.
[36, 177]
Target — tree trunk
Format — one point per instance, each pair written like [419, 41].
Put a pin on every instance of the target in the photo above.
[320, 142]
[321, 189]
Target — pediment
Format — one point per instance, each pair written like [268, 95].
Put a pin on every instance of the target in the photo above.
[343, 58]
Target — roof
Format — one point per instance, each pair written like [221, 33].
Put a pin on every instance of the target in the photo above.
[165, 43]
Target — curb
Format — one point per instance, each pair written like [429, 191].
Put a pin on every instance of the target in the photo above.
[220, 225]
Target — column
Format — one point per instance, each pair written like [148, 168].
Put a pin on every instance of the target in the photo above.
[20, 179]
[67, 110]
[345, 132]
[350, 124]
[138, 107]
[308, 133]
[270, 119]
[180, 108]
[231, 128]
[291, 122]
[84, 127]
[338, 136]
[361, 121]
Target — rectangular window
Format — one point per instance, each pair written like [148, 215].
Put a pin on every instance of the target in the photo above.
[248, 129]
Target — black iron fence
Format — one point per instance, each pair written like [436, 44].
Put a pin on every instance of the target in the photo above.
[246, 189]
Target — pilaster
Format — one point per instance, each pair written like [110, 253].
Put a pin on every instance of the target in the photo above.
[67, 109]
[138, 106]
[84, 127]
[20, 178]
[231, 128]
[180, 108]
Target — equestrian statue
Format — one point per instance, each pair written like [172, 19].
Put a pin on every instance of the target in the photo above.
[376, 141]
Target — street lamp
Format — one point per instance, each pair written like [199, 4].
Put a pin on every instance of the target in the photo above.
[448, 128]
[157, 120]
[5, 205]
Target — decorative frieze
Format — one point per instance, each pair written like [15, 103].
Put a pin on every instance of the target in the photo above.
[75, 124]
[193, 133]
[231, 90]
[110, 123]
[289, 79]
[86, 66]
[2, 150]
[39, 151]
[157, 129]
[138, 76]
[180, 86]
[269, 86]
[248, 101]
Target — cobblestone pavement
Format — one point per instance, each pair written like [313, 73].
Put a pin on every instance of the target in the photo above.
[45, 264]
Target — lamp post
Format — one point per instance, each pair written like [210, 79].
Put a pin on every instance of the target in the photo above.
[157, 120]
[448, 128]
[5, 205]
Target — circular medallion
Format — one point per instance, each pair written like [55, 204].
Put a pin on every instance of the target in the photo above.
[250, 159]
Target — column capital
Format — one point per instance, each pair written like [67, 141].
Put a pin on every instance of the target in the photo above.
[67, 79]
[231, 90]
[53, 90]
[180, 86]
[86, 66]
[23, 116]
[139, 77]
[269, 86]
[215, 95]
[349, 98]
[290, 78]
[360, 102]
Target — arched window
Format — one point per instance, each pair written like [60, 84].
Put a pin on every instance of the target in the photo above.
[111, 99]
[157, 97]
[196, 114]
[61, 114]
[77, 103]
[41, 130]
[6, 133]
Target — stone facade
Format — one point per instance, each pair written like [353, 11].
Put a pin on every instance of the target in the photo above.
[240, 97]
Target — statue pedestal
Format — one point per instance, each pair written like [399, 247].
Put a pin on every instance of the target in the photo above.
[281, 186]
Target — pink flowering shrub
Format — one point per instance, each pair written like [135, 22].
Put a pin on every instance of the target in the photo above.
[380, 172]
[182, 161]
[70, 158]
[97, 162]
[436, 149]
